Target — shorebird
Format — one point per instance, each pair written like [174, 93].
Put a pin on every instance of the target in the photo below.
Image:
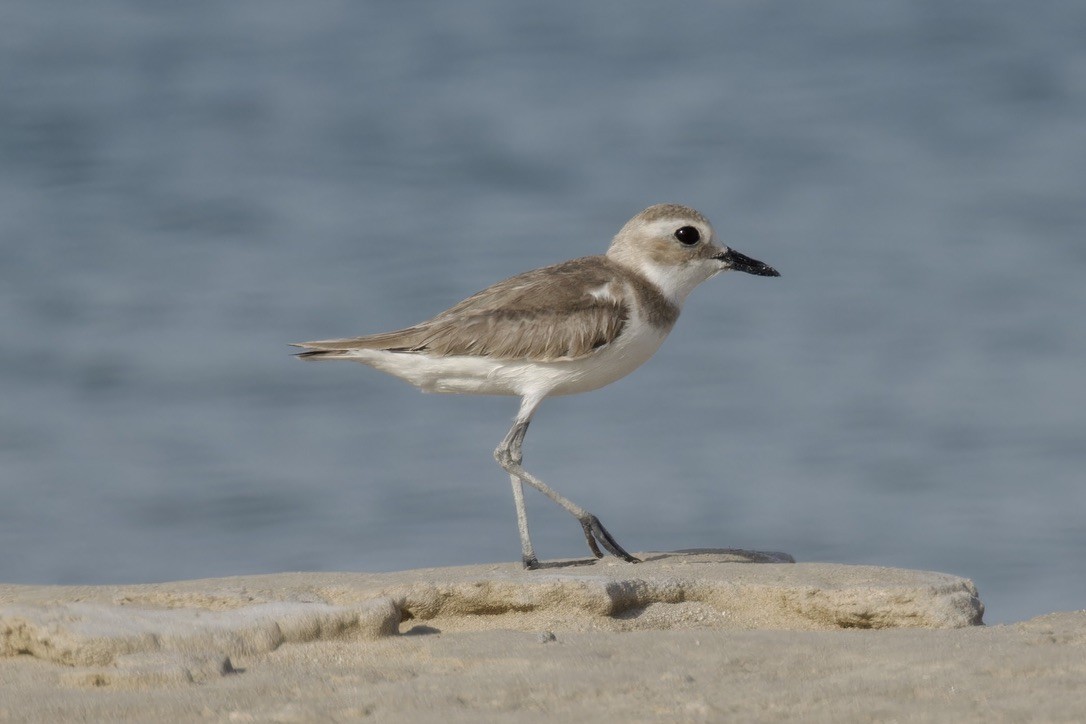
[559, 330]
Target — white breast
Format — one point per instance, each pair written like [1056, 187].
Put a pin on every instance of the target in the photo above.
[637, 343]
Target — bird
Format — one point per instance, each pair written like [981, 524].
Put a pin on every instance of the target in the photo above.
[558, 330]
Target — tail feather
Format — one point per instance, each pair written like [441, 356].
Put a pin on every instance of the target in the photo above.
[338, 348]
[320, 353]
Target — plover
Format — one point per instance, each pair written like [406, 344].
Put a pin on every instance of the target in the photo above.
[559, 330]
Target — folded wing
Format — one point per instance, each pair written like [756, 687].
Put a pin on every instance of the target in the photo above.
[563, 312]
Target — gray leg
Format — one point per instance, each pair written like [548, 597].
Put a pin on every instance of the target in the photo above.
[509, 456]
[527, 553]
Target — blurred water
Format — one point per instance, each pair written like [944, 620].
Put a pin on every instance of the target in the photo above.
[186, 187]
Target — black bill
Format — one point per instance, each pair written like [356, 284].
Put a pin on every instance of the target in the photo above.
[739, 262]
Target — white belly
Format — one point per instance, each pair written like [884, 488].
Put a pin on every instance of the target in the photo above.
[486, 376]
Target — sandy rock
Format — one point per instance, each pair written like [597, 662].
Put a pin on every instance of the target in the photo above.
[253, 615]
[695, 636]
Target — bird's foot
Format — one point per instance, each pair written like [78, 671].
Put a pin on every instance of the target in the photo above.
[531, 563]
[594, 531]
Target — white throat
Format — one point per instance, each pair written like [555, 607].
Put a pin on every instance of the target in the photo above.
[675, 282]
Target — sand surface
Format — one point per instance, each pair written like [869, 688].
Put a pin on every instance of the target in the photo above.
[693, 636]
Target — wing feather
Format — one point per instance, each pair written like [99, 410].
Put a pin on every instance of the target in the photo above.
[543, 315]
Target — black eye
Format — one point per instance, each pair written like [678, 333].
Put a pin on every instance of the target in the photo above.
[688, 235]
